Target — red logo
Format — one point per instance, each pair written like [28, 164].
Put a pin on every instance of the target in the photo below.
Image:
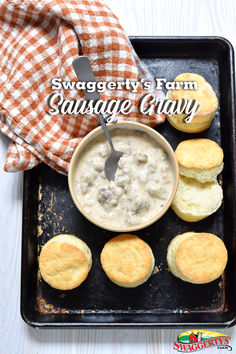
[195, 340]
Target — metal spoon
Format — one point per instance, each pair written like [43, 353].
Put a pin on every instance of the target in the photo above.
[84, 73]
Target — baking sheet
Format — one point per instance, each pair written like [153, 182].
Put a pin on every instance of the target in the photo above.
[163, 300]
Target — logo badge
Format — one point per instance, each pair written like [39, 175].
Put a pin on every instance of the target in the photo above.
[195, 340]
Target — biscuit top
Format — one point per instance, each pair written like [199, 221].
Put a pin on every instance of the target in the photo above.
[126, 259]
[62, 264]
[204, 94]
[201, 258]
[199, 154]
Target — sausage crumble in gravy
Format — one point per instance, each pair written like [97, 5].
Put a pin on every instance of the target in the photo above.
[143, 181]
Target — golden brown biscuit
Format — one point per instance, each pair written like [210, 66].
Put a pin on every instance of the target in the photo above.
[65, 261]
[197, 258]
[194, 201]
[201, 159]
[207, 100]
[127, 260]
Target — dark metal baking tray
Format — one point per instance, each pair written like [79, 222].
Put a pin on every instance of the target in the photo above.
[163, 301]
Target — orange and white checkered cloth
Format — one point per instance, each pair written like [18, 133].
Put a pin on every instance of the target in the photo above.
[39, 40]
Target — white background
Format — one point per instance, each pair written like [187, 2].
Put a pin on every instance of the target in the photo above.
[140, 17]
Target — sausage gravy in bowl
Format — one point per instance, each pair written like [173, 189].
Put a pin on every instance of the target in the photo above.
[144, 184]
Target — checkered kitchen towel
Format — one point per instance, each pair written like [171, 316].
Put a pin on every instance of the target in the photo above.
[38, 41]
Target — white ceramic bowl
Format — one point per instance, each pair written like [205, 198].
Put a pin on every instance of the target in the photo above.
[133, 126]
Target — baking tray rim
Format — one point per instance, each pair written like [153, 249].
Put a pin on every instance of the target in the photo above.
[127, 325]
[200, 38]
[165, 325]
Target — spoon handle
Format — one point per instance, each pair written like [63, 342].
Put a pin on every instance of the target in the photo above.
[84, 73]
[106, 131]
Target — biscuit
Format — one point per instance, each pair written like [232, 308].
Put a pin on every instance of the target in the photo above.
[207, 100]
[127, 260]
[201, 159]
[197, 258]
[195, 201]
[65, 261]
